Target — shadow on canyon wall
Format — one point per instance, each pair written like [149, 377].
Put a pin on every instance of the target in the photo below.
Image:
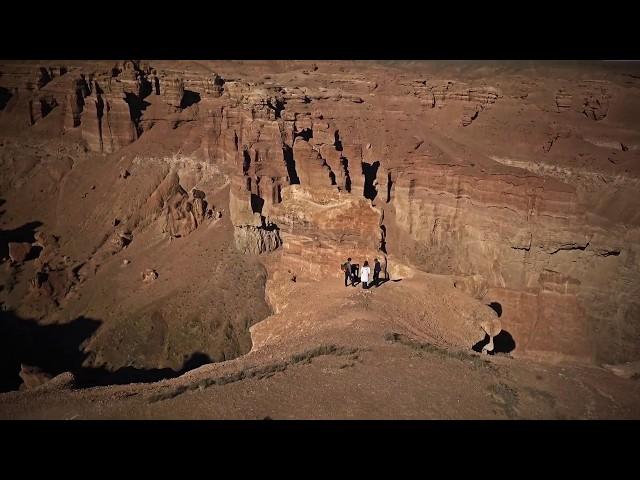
[24, 234]
[503, 342]
[59, 348]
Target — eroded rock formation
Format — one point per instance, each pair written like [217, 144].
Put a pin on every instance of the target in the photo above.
[521, 189]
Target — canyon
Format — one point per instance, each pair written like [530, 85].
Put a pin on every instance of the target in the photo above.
[171, 226]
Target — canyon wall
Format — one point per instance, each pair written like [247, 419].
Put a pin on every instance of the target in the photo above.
[521, 188]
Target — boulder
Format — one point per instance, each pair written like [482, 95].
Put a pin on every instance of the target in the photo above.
[19, 251]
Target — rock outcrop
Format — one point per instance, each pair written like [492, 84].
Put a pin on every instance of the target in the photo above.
[32, 377]
[149, 275]
[35, 378]
[172, 91]
[19, 251]
[563, 101]
[106, 123]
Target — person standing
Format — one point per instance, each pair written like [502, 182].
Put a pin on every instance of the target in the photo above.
[346, 268]
[364, 274]
[355, 276]
[376, 272]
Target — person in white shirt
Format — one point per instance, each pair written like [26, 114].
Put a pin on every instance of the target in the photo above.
[364, 274]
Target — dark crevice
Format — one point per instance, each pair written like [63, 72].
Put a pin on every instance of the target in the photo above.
[34, 253]
[47, 105]
[81, 84]
[100, 111]
[256, 203]
[189, 98]
[383, 238]
[136, 108]
[246, 162]
[44, 78]
[370, 171]
[277, 105]
[347, 178]
[389, 187]
[502, 343]
[146, 87]
[77, 108]
[306, 134]
[338, 143]
[332, 175]
[98, 89]
[5, 95]
[100, 107]
[496, 307]
[291, 165]
[570, 247]
[196, 360]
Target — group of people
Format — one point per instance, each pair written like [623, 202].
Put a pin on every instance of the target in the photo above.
[351, 274]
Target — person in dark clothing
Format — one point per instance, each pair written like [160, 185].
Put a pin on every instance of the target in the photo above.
[376, 272]
[346, 268]
[355, 277]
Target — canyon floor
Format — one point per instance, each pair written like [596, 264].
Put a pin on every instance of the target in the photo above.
[171, 235]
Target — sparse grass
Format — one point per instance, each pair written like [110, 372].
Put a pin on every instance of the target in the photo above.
[541, 394]
[168, 395]
[506, 397]
[322, 350]
[259, 373]
[347, 365]
[443, 352]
